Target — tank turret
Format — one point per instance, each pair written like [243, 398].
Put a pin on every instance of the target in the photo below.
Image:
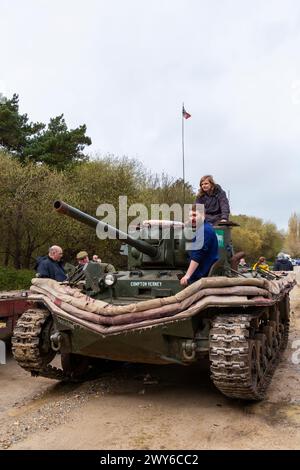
[157, 256]
[154, 244]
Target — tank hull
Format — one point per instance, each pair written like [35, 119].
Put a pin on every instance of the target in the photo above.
[240, 325]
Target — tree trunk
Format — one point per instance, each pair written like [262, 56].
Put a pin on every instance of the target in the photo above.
[27, 257]
[7, 252]
[18, 239]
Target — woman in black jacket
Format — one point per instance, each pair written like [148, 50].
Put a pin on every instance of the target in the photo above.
[214, 199]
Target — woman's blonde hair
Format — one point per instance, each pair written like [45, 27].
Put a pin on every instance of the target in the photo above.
[210, 179]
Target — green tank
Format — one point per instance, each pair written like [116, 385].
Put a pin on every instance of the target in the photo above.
[240, 322]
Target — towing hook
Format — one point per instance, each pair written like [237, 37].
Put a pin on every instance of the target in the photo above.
[56, 340]
[189, 350]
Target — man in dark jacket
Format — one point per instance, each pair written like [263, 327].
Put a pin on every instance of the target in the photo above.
[51, 266]
[204, 252]
[282, 263]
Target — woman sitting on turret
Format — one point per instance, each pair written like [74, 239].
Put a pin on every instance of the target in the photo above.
[214, 199]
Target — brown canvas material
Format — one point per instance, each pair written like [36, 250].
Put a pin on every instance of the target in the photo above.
[102, 317]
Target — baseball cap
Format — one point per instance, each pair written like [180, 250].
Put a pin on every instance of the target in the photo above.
[81, 254]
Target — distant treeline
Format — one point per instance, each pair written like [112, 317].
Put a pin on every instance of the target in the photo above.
[29, 225]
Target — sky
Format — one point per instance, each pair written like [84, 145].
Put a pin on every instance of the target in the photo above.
[124, 68]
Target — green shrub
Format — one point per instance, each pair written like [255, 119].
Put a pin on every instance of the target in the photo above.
[11, 279]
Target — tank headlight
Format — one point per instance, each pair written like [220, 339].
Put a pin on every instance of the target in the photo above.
[109, 280]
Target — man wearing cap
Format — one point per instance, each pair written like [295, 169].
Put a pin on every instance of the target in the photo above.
[82, 258]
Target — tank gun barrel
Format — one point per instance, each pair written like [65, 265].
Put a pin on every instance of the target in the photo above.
[64, 208]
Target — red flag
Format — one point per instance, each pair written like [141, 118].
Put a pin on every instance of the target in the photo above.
[185, 114]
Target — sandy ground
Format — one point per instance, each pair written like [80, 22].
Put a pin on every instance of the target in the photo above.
[150, 407]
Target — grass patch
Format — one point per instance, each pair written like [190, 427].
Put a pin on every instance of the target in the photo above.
[12, 279]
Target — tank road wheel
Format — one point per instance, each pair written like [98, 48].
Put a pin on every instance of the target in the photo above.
[284, 331]
[254, 362]
[31, 344]
[262, 357]
[272, 341]
[244, 353]
[284, 325]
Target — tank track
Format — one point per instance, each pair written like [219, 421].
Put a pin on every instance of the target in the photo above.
[243, 366]
[27, 344]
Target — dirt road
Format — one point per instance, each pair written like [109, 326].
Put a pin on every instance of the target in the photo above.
[147, 407]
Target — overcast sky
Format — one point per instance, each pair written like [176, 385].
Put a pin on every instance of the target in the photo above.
[124, 68]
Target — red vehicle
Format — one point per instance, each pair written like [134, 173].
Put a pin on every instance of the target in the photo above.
[12, 305]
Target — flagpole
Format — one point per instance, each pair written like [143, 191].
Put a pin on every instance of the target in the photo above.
[183, 169]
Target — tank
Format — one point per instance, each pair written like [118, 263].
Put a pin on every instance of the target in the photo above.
[240, 322]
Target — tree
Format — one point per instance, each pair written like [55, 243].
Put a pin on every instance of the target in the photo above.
[272, 240]
[57, 146]
[256, 238]
[292, 241]
[248, 241]
[54, 145]
[28, 224]
[15, 129]
[164, 189]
